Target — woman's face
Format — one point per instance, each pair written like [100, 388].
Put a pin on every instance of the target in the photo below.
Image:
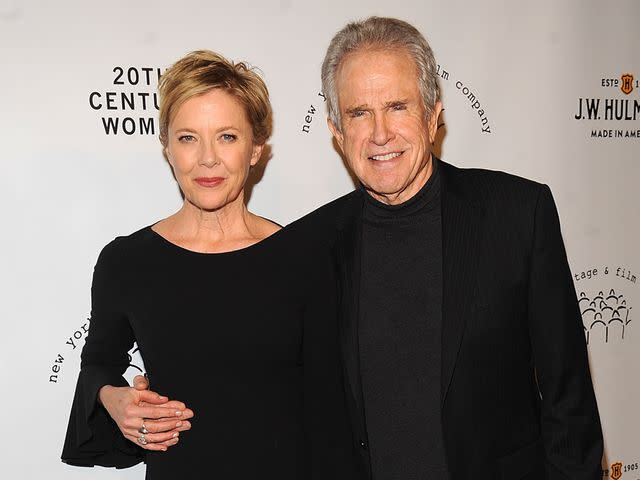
[210, 148]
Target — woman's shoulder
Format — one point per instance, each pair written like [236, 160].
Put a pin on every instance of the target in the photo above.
[127, 246]
[265, 227]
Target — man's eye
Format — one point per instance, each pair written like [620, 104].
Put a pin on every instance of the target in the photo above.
[398, 107]
[357, 113]
[228, 137]
[186, 138]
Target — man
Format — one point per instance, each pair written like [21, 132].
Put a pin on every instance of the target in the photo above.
[462, 342]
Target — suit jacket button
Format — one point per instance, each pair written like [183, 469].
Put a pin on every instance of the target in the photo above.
[363, 444]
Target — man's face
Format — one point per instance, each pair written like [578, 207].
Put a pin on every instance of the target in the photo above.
[385, 134]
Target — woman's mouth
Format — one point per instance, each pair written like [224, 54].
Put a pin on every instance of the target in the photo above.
[209, 181]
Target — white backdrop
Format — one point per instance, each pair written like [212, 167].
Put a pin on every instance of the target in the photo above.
[68, 187]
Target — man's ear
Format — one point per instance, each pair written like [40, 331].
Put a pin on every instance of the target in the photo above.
[433, 121]
[337, 134]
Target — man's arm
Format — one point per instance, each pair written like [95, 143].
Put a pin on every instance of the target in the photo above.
[571, 428]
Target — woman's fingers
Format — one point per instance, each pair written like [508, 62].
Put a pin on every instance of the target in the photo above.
[159, 426]
[140, 382]
[154, 415]
[184, 427]
[175, 404]
[165, 438]
[155, 420]
[158, 447]
[137, 411]
[158, 437]
[156, 399]
[169, 443]
[156, 412]
[161, 434]
[186, 414]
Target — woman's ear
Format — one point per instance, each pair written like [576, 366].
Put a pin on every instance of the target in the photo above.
[256, 154]
[167, 155]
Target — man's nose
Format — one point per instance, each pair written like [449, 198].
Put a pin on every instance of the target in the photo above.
[381, 132]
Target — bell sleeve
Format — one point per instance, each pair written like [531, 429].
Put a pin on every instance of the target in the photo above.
[93, 438]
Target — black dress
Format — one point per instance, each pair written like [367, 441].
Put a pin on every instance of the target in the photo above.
[247, 339]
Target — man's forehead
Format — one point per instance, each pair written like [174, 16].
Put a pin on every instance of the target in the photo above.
[380, 68]
[376, 92]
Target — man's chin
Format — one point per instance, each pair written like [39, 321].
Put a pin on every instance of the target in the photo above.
[386, 195]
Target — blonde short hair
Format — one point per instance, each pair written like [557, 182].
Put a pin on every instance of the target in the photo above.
[203, 70]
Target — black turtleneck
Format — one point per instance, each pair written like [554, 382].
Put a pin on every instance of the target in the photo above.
[400, 335]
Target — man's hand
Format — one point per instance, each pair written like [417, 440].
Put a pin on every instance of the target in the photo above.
[148, 419]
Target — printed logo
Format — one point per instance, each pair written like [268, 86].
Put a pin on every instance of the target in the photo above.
[606, 315]
[627, 83]
[136, 365]
[603, 298]
[463, 89]
[610, 116]
[74, 346]
[125, 107]
[616, 470]
[471, 97]
[310, 113]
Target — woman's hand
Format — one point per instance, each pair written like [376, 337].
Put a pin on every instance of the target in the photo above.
[148, 419]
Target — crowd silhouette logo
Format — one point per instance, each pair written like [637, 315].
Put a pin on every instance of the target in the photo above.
[606, 316]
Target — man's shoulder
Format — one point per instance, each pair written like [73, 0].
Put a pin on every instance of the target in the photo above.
[485, 176]
[322, 226]
[331, 214]
[491, 184]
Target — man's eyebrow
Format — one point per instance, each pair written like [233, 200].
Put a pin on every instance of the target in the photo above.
[396, 103]
[357, 108]
[389, 104]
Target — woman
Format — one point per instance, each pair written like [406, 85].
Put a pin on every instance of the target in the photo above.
[256, 304]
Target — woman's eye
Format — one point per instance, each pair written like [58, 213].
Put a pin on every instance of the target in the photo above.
[228, 137]
[186, 138]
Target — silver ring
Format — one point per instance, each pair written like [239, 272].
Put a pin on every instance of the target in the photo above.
[143, 430]
[142, 440]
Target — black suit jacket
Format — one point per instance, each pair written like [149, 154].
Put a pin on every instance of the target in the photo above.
[517, 397]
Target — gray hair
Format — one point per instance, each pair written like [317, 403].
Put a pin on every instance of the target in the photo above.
[380, 33]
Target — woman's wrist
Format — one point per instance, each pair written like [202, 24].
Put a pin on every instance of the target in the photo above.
[103, 392]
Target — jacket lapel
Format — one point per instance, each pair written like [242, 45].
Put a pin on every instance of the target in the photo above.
[461, 230]
[348, 259]
[461, 221]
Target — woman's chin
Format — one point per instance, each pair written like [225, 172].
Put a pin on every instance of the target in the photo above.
[211, 204]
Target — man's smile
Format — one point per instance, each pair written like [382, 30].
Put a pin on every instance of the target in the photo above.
[385, 156]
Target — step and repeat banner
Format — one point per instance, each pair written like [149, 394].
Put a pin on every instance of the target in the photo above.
[547, 90]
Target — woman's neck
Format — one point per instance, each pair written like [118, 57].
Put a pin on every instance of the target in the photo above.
[229, 228]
